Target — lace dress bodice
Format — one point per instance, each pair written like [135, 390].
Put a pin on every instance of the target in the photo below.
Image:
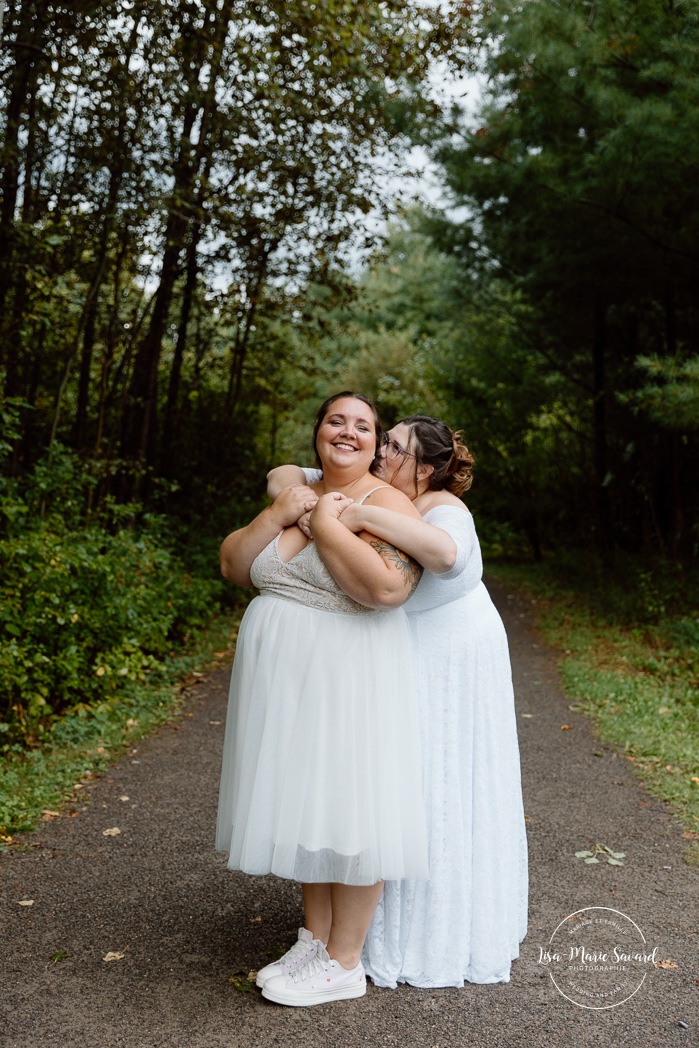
[303, 579]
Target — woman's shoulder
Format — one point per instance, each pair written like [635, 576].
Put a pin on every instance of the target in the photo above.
[440, 500]
[388, 497]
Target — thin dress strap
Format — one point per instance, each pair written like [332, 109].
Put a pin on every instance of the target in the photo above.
[371, 492]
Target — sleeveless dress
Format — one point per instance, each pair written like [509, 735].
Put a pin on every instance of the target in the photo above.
[321, 778]
[467, 921]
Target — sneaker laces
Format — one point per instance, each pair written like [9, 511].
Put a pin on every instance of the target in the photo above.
[316, 965]
[299, 950]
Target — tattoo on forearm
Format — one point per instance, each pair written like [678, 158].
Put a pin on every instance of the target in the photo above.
[409, 568]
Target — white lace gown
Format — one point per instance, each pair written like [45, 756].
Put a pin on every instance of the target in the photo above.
[321, 777]
[466, 922]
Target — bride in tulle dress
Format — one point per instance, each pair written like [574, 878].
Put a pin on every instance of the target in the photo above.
[321, 777]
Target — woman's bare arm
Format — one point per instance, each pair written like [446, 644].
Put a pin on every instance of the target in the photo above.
[240, 548]
[282, 477]
[429, 546]
[369, 569]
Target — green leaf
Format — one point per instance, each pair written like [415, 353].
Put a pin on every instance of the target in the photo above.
[593, 859]
[582, 854]
[242, 981]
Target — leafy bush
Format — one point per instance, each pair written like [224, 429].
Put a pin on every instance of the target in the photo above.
[85, 609]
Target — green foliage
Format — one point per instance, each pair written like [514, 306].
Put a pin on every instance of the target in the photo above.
[86, 610]
[631, 664]
[177, 180]
[76, 746]
[579, 257]
[672, 395]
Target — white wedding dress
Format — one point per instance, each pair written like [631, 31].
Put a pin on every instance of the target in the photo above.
[466, 922]
[321, 777]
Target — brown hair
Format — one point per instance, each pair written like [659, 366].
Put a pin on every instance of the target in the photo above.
[434, 444]
[325, 408]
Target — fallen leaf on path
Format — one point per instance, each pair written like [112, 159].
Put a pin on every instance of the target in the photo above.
[113, 955]
[47, 814]
[114, 831]
[124, 798]
[566, 727]
[244, 982]
[689, 835]
[25, 902]
[666, 964]
[611, 857]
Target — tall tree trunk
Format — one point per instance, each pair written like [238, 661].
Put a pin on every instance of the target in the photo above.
[171, 414]
[599, 412]
[676, 523]
[139, 432]
[22, 87]
[140, 419]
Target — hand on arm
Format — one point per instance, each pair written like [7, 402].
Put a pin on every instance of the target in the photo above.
[372, 571]
[240, 548]
[429, 546]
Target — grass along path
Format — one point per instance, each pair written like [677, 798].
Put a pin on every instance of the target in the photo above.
[640, 683]
[45, 781]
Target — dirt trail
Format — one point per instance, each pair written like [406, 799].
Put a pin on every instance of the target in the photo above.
[159, 894]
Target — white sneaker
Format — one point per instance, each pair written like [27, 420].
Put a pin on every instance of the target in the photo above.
[302, 950]
[318, 981]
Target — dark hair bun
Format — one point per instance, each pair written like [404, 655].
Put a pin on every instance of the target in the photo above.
[436, 445]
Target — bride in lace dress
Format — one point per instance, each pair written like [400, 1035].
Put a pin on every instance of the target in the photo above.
[321, 777]
[466, 922]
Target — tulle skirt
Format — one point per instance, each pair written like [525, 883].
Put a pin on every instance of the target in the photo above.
[321, 778]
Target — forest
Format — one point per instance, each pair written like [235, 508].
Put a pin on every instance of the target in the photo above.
[198, 243]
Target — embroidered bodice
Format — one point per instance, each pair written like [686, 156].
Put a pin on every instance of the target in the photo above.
[304, 579]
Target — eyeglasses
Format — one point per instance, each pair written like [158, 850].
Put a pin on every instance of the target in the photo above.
[394, 450]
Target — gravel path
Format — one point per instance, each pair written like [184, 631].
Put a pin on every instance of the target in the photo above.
[159, 895]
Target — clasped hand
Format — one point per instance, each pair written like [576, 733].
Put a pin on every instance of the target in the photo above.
[292, 503]
[333, 504]
[299, 504]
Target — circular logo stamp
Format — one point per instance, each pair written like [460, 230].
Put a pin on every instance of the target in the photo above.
[598, 957]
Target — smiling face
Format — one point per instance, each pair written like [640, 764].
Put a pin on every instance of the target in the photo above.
[346, 435]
